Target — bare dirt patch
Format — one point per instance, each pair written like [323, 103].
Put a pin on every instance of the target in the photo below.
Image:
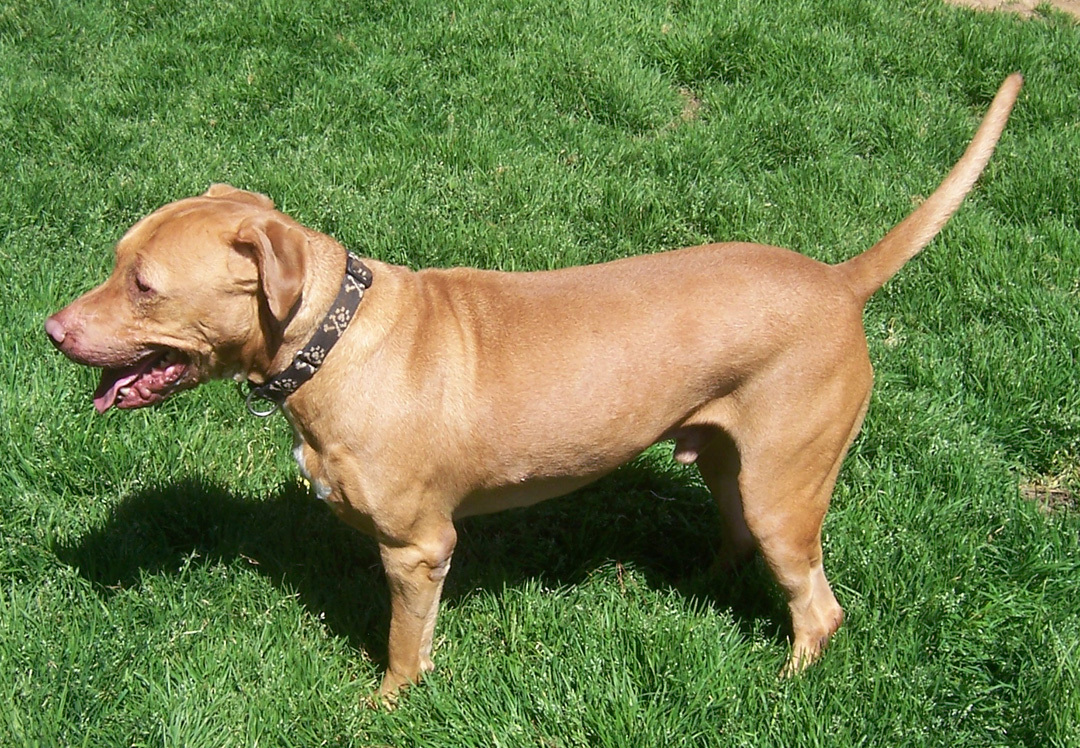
[1049, 498]
[1023, 7]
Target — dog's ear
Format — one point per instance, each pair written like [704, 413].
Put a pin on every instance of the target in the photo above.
[229, 192]
[280, 250]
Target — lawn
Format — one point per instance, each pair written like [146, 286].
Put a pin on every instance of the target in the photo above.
[165, 578]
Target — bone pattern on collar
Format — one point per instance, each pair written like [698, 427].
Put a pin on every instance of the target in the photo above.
[306, 362]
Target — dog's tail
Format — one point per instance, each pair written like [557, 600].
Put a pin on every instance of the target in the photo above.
[868, 272]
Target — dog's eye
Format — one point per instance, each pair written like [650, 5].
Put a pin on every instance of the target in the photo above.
[142, 286]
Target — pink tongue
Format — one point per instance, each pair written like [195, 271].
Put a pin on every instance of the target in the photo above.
[111, 382]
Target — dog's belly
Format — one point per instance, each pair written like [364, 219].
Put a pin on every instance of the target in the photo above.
[521, 494]
[531, 486]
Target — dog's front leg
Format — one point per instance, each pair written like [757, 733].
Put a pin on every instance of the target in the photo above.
[415, 570]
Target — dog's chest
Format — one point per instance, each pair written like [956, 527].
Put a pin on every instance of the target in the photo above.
[307, 460]
[317, 482]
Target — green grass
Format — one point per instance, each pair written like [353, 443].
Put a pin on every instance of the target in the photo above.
[166, 581]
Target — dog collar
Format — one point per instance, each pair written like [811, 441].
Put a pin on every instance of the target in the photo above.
[308, 359]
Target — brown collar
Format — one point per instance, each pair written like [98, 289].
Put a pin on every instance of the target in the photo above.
[308, 359]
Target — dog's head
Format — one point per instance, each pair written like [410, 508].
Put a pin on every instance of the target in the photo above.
[202, 288]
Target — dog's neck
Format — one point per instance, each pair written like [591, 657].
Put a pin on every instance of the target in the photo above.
[319, 324]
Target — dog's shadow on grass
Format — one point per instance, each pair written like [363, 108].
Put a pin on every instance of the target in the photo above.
[661, 525]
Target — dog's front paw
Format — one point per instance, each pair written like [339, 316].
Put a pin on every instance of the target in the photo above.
[390, 692]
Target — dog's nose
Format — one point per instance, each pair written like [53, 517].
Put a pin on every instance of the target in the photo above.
[55, 329]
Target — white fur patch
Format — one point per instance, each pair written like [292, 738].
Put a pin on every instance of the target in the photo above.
[322, 490]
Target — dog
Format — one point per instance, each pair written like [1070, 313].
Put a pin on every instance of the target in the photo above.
[419, 398]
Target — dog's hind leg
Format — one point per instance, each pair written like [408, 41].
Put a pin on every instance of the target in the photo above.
[786, 481]
[718, 464]
[772, 469]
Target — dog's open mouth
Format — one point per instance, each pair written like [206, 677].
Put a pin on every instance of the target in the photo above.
[146, 382]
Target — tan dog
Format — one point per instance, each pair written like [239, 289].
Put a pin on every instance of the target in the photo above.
[458, 392]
